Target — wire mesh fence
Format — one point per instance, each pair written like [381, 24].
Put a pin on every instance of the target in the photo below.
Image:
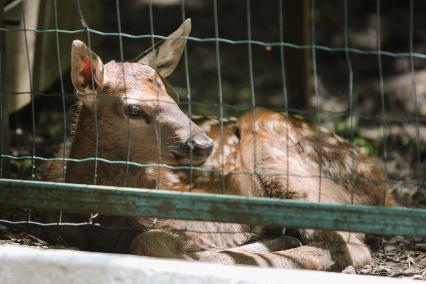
[128, 132]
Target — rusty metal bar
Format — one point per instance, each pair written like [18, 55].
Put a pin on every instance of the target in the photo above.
[211, 207]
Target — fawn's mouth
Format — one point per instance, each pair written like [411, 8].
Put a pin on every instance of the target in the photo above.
[186, 159]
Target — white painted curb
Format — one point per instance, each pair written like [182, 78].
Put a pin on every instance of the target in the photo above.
[31, 265]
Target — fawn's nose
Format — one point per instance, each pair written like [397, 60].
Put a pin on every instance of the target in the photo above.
[200, 145]
[194, 151]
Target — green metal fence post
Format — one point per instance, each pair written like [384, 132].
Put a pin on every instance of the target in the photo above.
[132, 202]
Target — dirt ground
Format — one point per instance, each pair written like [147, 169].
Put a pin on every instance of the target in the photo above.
[399, 257]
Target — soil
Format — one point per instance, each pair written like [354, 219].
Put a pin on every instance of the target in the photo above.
[398, 257]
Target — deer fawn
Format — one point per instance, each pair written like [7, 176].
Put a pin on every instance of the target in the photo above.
[288, 158]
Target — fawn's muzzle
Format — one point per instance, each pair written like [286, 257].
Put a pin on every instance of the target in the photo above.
[195, 150]
[200, 145]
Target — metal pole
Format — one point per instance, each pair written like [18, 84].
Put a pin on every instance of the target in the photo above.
[4, 116]
[134, 202]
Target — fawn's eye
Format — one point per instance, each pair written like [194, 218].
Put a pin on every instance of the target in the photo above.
[136, 111]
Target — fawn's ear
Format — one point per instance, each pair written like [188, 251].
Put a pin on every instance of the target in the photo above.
[87, 69]
[165, 55]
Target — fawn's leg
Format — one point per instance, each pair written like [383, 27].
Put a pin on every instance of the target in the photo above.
[187, 245]
[330, 251]
[327, 251]
[272, 253]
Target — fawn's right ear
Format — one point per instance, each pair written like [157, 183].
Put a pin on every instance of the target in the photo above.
[87, 69]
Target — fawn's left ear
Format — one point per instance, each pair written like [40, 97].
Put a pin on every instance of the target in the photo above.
[87, 69]
[165, 55]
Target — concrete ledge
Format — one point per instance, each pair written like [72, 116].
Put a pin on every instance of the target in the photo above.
[31, 265]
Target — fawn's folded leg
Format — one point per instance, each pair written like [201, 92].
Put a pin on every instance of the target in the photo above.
[327, 250]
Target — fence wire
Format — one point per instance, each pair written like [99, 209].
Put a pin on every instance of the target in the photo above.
[220, 103]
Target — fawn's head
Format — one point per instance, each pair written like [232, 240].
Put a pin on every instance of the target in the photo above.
[133, 106]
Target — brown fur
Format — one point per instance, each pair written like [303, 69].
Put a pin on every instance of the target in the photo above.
[286, 158]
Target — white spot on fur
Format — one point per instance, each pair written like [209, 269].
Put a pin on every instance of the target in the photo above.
[363, 167]
[207, 125]
[332, 141]
[276, 152]
[340, 139]
[232, 140]
[172, 177]
[307, 131]
[324, 130]
[308, 148]
[226, 150]
[272, 125]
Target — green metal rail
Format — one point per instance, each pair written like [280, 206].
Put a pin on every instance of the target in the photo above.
[211, 207]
